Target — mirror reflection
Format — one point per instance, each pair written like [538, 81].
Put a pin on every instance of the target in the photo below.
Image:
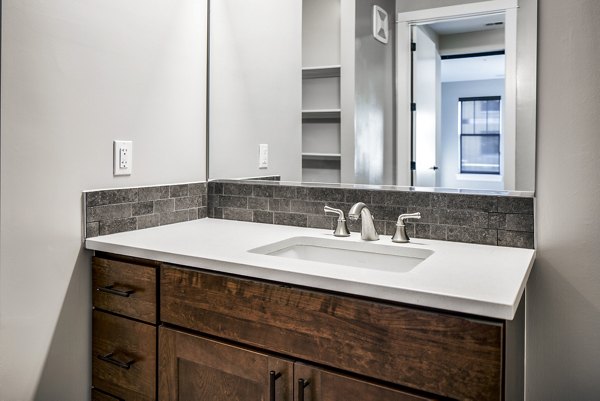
[459, 98]
[430, 94]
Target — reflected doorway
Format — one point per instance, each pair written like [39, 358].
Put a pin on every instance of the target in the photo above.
[458, 101]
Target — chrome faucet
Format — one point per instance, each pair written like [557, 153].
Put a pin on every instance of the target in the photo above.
[342, 229]
[401, 235]
[367, 229]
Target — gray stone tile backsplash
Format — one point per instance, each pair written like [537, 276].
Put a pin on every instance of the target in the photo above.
[128, 209]
[473, 218]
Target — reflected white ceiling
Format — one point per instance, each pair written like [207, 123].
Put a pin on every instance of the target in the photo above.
[473, 68]
[471, 24]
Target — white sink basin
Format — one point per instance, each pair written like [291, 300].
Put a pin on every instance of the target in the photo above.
[366, 255]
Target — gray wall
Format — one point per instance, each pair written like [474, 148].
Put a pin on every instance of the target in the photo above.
[563, 295]
[75, 76]
[321, 30]
[255, 87]
[374, 161]
[449, 143]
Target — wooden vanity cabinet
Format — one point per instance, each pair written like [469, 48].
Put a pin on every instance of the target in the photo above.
[224, 337]
[124, 338]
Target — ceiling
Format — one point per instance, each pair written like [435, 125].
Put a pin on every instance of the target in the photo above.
[473, 68]
[469, 24]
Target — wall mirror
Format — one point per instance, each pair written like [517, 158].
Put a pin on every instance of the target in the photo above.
[436, 93]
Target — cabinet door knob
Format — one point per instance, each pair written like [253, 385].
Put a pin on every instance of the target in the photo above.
[110, 289]
[110, 359]
[272, 377]
[301, 385]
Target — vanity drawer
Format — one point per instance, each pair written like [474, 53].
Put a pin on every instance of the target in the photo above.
[123, 357]
[440, 353]
[99, 396]
[124, 288]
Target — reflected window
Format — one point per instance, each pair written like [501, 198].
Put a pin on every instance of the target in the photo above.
[479, 126]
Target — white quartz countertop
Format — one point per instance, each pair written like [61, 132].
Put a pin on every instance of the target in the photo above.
[475, 279]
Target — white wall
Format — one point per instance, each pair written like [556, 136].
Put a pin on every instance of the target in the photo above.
[563, 295]
[255, 87]
[77, 74]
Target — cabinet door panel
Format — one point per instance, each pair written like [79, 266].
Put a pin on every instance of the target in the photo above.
[196, 368]
[328, 386]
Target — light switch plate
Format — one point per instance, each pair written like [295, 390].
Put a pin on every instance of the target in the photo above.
[263, 155]
[122, 157]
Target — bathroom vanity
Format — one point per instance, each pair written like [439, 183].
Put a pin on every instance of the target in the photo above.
[227, 310]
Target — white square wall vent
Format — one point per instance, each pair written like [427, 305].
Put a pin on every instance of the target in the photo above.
[380, 24]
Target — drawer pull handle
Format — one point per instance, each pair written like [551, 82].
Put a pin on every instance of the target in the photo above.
[272, 377]
[301, 385]
[111, 290]
[109, 358]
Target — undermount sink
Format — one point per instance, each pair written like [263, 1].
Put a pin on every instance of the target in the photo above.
[366, 255]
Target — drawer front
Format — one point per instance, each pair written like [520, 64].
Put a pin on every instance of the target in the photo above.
[123, 357]
[99, 396]
[434, 352]
[125, 288]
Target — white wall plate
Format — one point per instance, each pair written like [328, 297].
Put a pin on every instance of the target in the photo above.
[380, 24]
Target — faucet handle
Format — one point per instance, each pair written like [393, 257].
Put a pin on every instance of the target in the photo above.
[401, 235]
[342, 229]
[407, 216]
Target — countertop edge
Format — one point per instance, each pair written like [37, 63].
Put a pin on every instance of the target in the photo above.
[405, 296]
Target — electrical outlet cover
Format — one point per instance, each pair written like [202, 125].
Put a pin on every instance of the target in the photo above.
[122, 157]
[263, 155]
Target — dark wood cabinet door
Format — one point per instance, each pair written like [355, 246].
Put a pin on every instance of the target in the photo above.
[320, 385]
[195, 368]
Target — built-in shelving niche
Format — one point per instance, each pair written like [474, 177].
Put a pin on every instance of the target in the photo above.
[321, 90]
[328, 71]
[321, 117]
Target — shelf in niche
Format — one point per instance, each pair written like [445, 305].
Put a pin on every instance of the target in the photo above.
[321, 174]
[321, 114]
[321, 156]
[326, 71]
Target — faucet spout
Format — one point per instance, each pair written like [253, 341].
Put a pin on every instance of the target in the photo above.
[367, 228]
[355, 210]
